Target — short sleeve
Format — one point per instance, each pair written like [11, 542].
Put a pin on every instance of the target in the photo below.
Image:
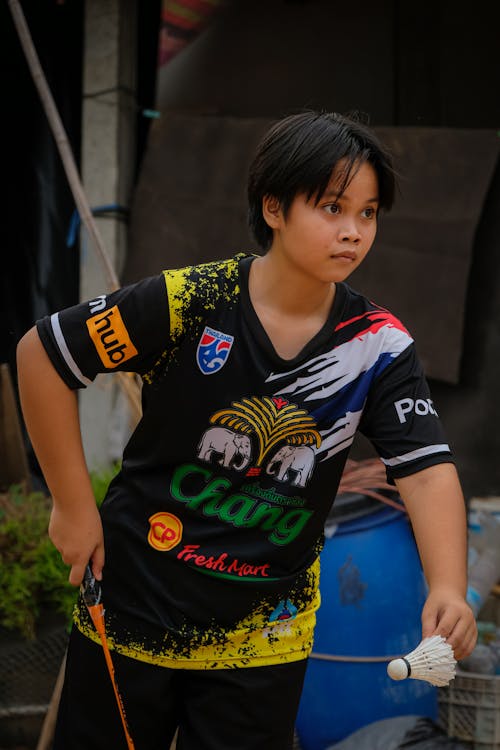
[401, 420]
[125, 330]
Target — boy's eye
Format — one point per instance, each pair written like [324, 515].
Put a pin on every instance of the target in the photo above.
[332, 208]
[369, 213]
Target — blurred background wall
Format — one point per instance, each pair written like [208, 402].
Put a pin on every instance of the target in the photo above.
[426, 75]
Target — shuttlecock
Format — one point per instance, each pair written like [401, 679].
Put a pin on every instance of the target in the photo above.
[432, 660]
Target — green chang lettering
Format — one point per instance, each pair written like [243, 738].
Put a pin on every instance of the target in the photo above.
[271, 495]
[236, 509]
[213, 491]
[239, 510]
[213, 506]
[289, 527]
[265, 516]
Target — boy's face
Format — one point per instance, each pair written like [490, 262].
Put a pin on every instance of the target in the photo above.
[327, 241]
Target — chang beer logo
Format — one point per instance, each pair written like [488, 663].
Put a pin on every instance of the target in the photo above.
[285, 436]
[202, 491]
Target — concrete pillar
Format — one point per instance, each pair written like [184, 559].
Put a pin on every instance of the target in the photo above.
[108, 160]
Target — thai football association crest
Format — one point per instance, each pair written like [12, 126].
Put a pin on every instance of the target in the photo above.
[213, 350]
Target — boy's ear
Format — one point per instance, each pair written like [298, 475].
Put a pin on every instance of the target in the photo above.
[271, 211]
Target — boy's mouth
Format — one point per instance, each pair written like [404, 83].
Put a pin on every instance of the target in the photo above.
[345, 255]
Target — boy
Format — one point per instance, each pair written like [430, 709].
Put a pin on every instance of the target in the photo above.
[257, 372]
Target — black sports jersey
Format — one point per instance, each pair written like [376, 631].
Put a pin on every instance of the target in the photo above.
[214, 524]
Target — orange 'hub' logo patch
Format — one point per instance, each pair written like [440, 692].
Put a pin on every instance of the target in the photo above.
[165, 531]
[111, 340]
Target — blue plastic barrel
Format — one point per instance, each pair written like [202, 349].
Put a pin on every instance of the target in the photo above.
[372, 590]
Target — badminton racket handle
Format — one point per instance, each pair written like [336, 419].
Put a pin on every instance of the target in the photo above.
[121, 708]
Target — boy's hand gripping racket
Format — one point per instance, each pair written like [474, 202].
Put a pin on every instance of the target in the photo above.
[91, 592]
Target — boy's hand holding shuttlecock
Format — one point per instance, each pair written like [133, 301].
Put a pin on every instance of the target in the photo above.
[436, 508]
[448, 614]
[432, 661]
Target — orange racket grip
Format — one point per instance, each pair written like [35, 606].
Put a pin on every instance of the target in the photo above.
[97, 614]
[121, 708]
[92, 595]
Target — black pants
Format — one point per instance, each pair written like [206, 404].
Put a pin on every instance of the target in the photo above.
[220, 709]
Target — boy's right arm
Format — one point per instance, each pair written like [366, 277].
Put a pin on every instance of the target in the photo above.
[50, 411]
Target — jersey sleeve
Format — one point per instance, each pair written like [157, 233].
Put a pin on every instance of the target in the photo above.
[125, 330]
[401, 421]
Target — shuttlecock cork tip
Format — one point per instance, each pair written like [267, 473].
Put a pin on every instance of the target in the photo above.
[398, 669]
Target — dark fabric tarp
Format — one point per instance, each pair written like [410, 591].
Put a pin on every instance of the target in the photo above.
[190, 206]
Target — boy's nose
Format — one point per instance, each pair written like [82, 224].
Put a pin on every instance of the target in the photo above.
[349, 233]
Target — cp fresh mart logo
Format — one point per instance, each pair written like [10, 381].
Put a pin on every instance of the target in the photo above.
[165, 531]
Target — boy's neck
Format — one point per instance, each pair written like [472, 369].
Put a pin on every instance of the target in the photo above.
[291, 311]
[287, 291]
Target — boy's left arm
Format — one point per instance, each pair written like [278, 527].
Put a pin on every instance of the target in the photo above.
[436, 507]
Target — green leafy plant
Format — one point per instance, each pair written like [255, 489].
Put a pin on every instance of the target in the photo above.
[33, 577]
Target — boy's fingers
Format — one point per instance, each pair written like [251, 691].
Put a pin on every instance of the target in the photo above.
[76, 573]
[446, 626]
[429, 623]
[467, 646]
[98, 562]
[455, 623]
[462, 637]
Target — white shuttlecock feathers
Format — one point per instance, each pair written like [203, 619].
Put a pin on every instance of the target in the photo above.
[432, 660]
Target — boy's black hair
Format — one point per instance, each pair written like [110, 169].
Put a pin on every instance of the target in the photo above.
[298, 155]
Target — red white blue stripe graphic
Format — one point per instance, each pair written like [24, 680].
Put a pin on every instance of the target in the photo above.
[336, 384]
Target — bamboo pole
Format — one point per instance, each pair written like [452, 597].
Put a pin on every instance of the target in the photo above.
[127, 382]
[61, 140]
[49, 724]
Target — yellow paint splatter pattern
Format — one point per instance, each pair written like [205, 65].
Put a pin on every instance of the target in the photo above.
[193, 293]
[255, 640]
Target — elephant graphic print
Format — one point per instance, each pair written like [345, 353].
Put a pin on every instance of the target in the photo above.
[231, 449]
[292, 463]
[263, 435]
